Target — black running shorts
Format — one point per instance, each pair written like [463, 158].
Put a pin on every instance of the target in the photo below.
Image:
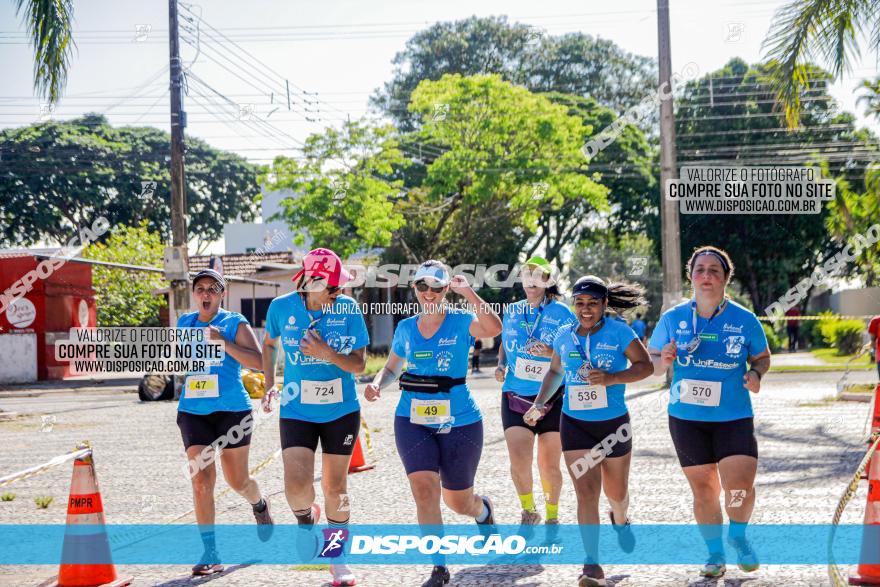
[203, 430]
[337, 436]
[704, 443]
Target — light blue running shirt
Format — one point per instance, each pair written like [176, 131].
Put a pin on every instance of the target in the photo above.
[639, 327]
[233, 397]
[445, 353]
[543, 322]
[607, 352]
[717, 366]
[311, 386]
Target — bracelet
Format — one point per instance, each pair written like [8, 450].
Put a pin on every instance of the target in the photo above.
[756, 372]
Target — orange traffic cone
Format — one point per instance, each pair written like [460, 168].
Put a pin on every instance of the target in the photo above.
[85, 507]
[358, 463]
[869, 573]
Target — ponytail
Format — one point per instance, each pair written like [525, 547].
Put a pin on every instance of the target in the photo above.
[625, 296]
[618, 296]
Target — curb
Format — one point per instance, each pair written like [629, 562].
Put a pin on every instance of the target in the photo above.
[65, 387]
[829, 369]
[855, 397]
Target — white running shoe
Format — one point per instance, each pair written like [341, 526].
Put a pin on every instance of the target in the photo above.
[342, 575]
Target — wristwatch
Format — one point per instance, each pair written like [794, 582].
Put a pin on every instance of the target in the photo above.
[756, 372]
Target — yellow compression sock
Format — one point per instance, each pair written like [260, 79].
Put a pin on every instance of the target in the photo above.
[528, 502]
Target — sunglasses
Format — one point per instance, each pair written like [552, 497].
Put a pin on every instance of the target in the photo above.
[423, 287]
[330, 289]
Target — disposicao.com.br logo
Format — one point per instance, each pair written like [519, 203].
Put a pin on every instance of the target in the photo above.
[477, 545]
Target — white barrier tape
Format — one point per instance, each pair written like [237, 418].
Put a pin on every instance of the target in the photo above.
[837, 578]
[253, 472]
[367, 440]
[841, 383]
[827, 317]
[59, 460]
[271, 458]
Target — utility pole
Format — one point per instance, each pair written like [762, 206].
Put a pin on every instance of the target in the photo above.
[176, 261]
[669, 228]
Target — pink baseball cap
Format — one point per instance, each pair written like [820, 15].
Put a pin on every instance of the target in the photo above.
[326, 264]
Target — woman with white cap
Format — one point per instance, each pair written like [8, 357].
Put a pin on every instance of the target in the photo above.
[324, 338]
[596, 358]
[214, 412]
[530, 326]
[438, 426]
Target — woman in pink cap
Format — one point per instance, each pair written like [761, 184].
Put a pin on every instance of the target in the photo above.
[324, 338]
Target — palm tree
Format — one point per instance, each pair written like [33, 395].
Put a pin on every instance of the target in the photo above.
[50, 25]
[816, 30]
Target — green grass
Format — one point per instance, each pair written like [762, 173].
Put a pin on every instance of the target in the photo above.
[833, 362]
[7, 496]
[374, 363]
[825, 401]
[43, 501]
[831, 356]
[859, 388]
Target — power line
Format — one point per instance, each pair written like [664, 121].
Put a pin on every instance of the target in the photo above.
[267, 72]
[268, 126]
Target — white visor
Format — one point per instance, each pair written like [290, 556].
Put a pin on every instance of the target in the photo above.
[435, 274]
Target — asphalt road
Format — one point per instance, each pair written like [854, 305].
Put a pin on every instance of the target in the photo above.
[809, 447]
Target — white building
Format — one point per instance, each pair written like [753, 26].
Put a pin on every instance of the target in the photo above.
[269, 236]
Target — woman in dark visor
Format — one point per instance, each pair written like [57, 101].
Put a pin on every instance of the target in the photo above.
[215, 411]
[718, 353]
[596, 358]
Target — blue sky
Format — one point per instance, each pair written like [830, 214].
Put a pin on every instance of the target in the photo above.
[338, 51]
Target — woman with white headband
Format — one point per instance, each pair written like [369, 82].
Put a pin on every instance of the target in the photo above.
[719, 353]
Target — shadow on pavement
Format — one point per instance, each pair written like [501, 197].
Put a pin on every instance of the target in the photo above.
[500, 575]
[194, 580]
[721, 582]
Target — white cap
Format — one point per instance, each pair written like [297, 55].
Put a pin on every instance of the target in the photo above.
[433, 272]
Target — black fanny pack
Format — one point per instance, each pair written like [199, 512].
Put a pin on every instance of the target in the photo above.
[429, 383]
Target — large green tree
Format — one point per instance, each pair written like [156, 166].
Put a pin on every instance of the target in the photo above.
[734, 122]
[486, 171]
[627, 167]
[57, 176]
[123, 296]
[504, 155]
[344, 187]
[574, 63]
[855, 212]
